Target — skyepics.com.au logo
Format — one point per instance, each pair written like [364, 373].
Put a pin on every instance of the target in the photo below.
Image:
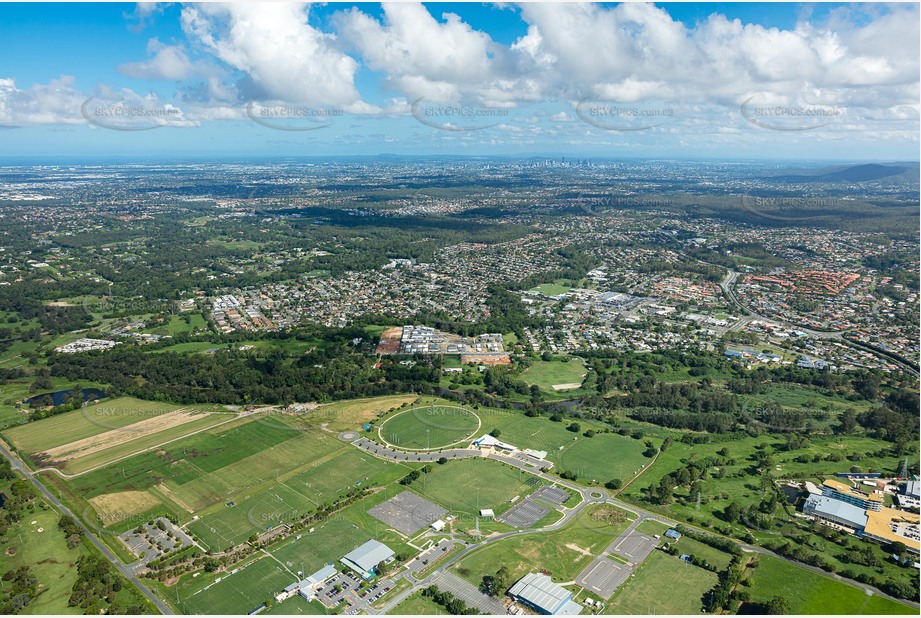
[109, 521]
[772, 417]
[612, 116]
[789, 208]
[282, 117]
[761, 112]
[594, 203]
[131, 114]
[132, 420]
[457, 118]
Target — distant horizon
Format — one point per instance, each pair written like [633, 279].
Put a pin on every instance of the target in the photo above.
[699, 81]
[205, 158]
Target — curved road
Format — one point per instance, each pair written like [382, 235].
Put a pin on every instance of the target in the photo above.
[726, 286]
[123, 568]
[588, 499]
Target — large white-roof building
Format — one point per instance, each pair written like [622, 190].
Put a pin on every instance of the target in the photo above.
[836, 511]
[365, 558]
[538, 591]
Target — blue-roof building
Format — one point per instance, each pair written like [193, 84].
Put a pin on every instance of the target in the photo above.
[673, 534]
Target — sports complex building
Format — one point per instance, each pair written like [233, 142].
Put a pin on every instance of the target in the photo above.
[365, 558]
[538, 592]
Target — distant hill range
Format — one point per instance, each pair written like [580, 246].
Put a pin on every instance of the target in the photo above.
[897, 172]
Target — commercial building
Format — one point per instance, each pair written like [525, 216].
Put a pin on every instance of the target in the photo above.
[832, 510]
[894, 526]
[365, 558]
[307, 587]
[881, 524]
[844, 492]
[538, 592]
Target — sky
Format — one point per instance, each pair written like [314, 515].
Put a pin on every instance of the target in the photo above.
[667, 80]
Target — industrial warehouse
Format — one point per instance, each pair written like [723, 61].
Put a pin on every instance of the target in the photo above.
[538, 592]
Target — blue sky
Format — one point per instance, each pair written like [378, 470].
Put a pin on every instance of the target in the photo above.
[720, 80]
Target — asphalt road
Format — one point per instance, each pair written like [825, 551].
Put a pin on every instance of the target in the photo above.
[602, 497]
[730, 279]
[123, 568]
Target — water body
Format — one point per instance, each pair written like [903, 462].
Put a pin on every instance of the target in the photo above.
[60, 397]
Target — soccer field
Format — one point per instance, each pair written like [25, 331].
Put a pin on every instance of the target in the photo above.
[288, 499]
[236, 593]
[466, 485]
[429, 426]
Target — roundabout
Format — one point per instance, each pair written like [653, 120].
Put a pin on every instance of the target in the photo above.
[429, 427]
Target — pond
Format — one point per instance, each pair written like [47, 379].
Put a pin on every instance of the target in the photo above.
[60, 397]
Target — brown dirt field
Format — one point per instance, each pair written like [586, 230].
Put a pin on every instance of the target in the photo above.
[581, 550]
[103, 441]
[567, 386]
[118, 506]
[390, 340]
[486, 359]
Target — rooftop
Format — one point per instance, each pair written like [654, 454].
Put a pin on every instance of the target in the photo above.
[827, 506]
[540, 591]
[893, 525]
[367, 556]
[845, 488]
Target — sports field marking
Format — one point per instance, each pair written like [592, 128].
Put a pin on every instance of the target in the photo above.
[413, 434]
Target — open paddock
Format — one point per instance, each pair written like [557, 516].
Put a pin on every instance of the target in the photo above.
[95, 419]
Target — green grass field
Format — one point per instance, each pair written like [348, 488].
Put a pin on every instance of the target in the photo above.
[602, 457]
[663, 584]
[36, 541]
[272, 469]
[812, 593]
[551, 289]
[338, 535]
[563, 552]
[746, 490]
[93, 420]
[423, 426]
[118, 451]
[290, 498]
[418, 605]
[236, 593]
[467, 485]
[545, 374]
[687, 545]
[46, 553]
